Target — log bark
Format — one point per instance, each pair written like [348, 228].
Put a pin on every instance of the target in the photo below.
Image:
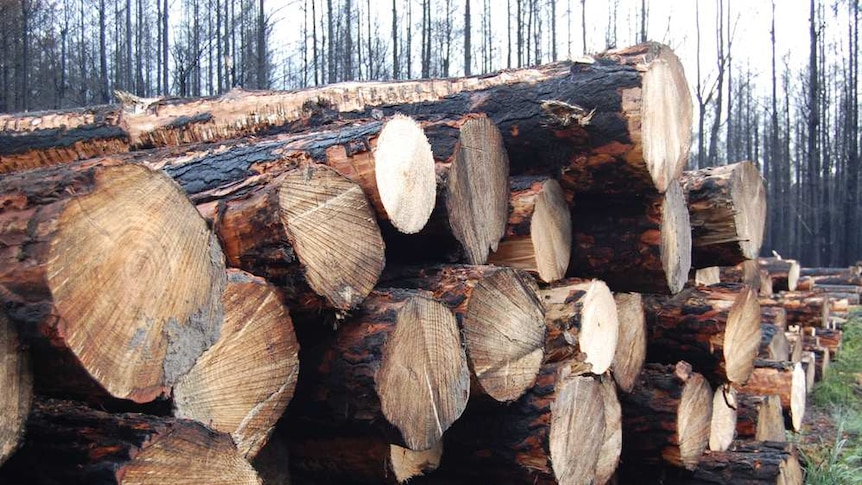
[727, 209]
[365, 376]
[69, 443]
[501, 318]
[760, 418]
[612, 441]
[582, 321]
[667, 416]
[750, 273]
[717, 328]
[803, 309]
[307, 229]
[243, 383]
[631, 350]
[775, 315]
[539, 231]
[830, 339]
[16, 380]
[784, 272]
[811, 282]
[111, 274]
[551, 435]
[722, 427]
[746, 463]
[640, 244]
[784, 379]
[773, 343]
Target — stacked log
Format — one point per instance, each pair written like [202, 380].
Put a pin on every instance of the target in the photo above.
[750, 273]
[759, 417]
[803, 309]
[631, 350]
[784, 379]
[746, 463]
[17, 385]
[783, 272]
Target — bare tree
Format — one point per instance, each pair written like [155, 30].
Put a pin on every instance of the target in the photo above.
[467, 46]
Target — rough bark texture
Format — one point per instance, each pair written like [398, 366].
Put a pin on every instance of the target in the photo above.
[784, 272]
[830, 338]
[539, 231]
[395, 369]
[632, 342]
[716, 328]
[727, 208]
[784, 379]
[746, 463]
[71, 444]
[667, 416]
[501, 318]
[774, 315]
[582, 323]
[551, 435]
[111, 274]
[16, 380]
[760, 417]
[634, 244]
[750, 273]
[244, 382]
[803, 309]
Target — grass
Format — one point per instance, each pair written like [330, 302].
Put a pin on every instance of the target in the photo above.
[832, 449]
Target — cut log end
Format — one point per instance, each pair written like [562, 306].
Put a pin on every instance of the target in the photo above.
[504, 329]
[742, 336]
[632, 341]
[723, 425]
[577, 422]
[244, 382]
[749, 197]
[408, 464]
[478, 195]
[423, 381]
[612, 443]
[798, 396]
[16, 380]
[675, 238]
[404, 169]
[666, 117]
[150, 294]
[332, 228]
[693, 419]
[707, 276]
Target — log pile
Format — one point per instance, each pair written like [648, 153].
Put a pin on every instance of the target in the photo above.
[488, 279]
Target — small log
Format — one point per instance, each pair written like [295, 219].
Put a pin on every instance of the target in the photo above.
[667, 416]
[539, 232]
[630, 355]
[707, 276]
[16, 380]
[803, 309]
[365, 376]
[551, 435]
[633, 244]
[774, 315]
[722, 428]
[111, 274]
[612, 443]
[784, 272]
[716, 327]
[501, 318]
[760, 418]
[847, 271]
[582, 321]
[745, 463]
[244, 382]
[784, 379]
[71, 444]
[773, 343]
[830, 338]
[809, 365]
[795, 339]
[845, 277]
[750, 273]
[727, 209]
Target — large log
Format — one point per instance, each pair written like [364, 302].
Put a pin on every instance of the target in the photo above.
[640, 244]
[612, 443]
[716, 328]
[539, 231]
[395, 369]
[760, 417]
[722, 427]
[745, 463]
[16, 381]
[71, 444]
[113, 276]
[631, 350]
[784, 272]
[553, 434]
[727, 208]
[501, 318]
[244, 382]
[582, 323]
[784, 379]
[667, 416]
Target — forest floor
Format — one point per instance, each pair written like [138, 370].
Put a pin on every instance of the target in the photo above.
[831, 441]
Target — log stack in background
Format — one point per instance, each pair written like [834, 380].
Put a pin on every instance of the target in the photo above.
[462, 262]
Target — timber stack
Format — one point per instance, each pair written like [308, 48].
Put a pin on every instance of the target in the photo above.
[488, 278]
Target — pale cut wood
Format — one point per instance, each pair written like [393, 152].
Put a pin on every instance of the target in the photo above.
[632, 342]
[116, 271]
[809, 365]
[539, 231]
[244, 382]
[760, 418]
[773, 344]
[727, 208]
[501, 318]
[784, 272]
[72, 444]
[582, 321]
[16, 382]
[396, 368]
[722, 428]
[707, 276]
[750, 273]
[785, 379]
[612, 441]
